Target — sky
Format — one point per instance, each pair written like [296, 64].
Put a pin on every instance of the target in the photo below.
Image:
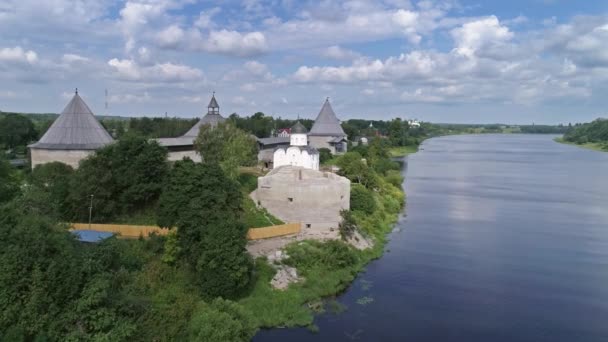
[490, 61]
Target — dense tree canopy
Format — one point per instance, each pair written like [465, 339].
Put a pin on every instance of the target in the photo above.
[51, 287]
[9, 183]
[595, 132]
[54, 179]
[16, 130]
[228, 146]
[205, 206]
[125, 176]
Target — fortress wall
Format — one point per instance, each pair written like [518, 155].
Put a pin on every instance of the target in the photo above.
[69, 157]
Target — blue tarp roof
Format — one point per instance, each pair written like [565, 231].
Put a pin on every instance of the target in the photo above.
[91, 235]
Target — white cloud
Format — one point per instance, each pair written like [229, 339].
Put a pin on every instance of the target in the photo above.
[408, 21]
[73, 58]
[233, 42]
[256, 68]
[479, 34]
[338, 53]
[130, 98]
[170, 37]
[18, 54]
[129, 70]
[205, 18]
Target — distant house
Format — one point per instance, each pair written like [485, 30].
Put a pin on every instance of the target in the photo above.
[284, 132]
[73, 136]
[327, 132]
[183, 146]
[413, 123]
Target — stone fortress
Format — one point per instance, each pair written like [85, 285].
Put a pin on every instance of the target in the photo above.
[73, 136]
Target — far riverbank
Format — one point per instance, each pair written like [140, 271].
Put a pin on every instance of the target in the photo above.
[590, 146]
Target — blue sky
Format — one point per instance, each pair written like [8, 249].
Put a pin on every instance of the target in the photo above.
[519, 61]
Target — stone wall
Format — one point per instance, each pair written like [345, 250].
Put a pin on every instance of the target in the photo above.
[295, 194]
[179, 155]
[318, 142]
[69, 157]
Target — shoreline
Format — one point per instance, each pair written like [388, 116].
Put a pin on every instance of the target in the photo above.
[300, 302]
[588, 146]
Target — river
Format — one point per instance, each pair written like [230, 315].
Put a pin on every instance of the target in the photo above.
[505, 239]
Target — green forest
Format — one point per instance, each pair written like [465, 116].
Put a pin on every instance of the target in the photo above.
[594, 133]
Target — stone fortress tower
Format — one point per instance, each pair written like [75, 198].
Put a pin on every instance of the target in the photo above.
[73, 136]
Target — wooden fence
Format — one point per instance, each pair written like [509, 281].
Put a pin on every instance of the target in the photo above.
[125, 230]
[273, 231]
[133, 231]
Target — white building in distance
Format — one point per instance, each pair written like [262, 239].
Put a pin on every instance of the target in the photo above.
[73, 136]
[298, 153]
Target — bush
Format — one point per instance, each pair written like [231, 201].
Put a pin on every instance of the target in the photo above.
[324, 155]
[394, 177]
[330, 255]
[222, 320]
[362, 199]
[348, 226]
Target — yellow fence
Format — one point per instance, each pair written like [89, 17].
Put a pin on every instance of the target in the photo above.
[273, 231]
[125, 230]
[133, 231]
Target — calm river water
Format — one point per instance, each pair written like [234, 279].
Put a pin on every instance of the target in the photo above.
[505, 239]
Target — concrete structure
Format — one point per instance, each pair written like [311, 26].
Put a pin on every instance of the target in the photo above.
[327, 132]
[75, 135]
[183, 146]
[296, 194]
[298, 153]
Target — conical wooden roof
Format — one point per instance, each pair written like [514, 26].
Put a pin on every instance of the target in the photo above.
[75, 129]
[212, 118]
[327, 123]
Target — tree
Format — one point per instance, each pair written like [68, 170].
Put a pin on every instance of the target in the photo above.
[227, 146]
[54, 179]
[222, 320]
[55, 288]
[125, 176]
[39, 273]
[205, 205]
[324, 155]
[16, 130]
[362, 199]
[9, 183]
[353, 167]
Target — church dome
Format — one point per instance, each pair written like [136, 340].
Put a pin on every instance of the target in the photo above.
[298, 128]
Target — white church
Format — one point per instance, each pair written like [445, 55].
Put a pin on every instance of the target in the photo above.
[298, 153]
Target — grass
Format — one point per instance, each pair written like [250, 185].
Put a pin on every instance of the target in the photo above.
[602, 147]
[402, 151]
[254, 216]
